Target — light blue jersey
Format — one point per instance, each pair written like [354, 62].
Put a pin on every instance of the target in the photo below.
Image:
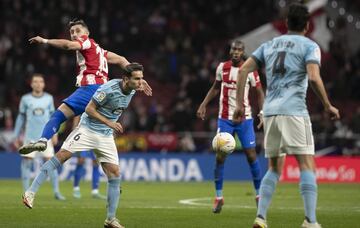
[111, 102]
[285, 58]
[35, 112]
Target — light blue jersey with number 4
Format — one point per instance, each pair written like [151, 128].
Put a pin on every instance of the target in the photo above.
[285, 59]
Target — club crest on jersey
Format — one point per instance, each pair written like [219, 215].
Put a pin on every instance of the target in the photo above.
[38, 112]
[100, 96]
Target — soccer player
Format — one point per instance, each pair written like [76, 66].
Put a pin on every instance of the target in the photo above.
[92, 61]
[34, 111]
[226, 75]
[79, 170]
[95, 131]
[291, 61]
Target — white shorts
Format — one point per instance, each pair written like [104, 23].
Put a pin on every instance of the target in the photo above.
[288, 135]
[84, 139]
[48, 153]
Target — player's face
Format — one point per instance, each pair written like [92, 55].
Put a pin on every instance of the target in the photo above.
[236, 52]
[135, 80]
[37, 84]
[77, 31]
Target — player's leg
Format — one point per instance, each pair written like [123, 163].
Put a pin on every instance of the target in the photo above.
[272, 141]
[95, 179]
[246, 134]
[26, 164]
[223, 126]
[107, 156]
[78, 173]
[48, 167]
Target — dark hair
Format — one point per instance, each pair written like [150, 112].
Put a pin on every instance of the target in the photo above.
[131, 68]
[238, 42]
[38, 75]
[77, 22]
[298, 16]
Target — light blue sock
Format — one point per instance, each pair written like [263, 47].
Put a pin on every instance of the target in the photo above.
[255, 172]
[267, 189]
[219, 178]
[308, 190]
[25, 172]
[48, 167]
[113, 196]
[54, 178]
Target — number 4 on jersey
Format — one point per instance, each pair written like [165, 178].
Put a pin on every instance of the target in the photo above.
[278, 67]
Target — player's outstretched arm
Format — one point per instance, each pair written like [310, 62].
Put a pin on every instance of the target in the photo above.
[260, 96]
[145, 87]
[317, 85]
[249, 66]
[58, 43]
[91, 110]
[116, 59]
[213, 92]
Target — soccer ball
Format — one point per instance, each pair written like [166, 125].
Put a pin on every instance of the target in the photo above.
[223, 142]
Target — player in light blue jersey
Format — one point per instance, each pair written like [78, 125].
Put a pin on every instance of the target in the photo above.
[35, 110]
[95, 131]
[290, 61]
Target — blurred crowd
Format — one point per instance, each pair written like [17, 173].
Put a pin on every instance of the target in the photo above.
[180, 44]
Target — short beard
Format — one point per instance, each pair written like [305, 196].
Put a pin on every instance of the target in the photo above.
[235, 62]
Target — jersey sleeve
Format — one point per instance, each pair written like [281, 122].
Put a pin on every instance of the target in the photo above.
[20, 119]
[313, 54]
[254, 79]
[101, 95]
[219, 69]
[258, 55]
[84, 41]
[22, 106]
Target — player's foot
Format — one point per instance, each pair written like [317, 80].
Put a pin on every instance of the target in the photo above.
[98, 196]
[39, 145]
[307, 224]
[28, 199]
[76, 194]
[112, 223]
[218, 203]
[58, 196]
[259, 223]
[257, 198]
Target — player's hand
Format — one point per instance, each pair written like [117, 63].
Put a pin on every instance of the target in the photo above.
[334, 112]
[238, 115]
[200, 113]
[37, 40]
[17, 143]
[116, 127]
[261, 120]
[145, 88]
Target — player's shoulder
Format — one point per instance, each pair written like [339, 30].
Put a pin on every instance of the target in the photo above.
[27, 96]
[111, 85]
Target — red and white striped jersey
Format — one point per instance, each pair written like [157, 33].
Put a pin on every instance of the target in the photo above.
[227, 74]
[91, 62]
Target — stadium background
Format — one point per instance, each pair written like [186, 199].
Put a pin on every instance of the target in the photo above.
[180, 44]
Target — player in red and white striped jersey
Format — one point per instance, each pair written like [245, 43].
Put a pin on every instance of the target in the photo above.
[225, 83]
[92, 61]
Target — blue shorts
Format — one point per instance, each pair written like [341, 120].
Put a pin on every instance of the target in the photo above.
[244, 130]
[78, 100]
[86, 154]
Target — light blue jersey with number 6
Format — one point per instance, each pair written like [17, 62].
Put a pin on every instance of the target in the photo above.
[285, 59]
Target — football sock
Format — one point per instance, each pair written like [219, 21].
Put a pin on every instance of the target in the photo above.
[113, 196]
[52, 126]
[79, 170]
[267, 189]
[219, 179]
[54, 179]
[26, 172]
[48, 167]
[255, 172]
[308, 190]
[95, 176]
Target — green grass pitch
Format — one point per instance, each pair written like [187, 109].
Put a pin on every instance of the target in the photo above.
[176, 205]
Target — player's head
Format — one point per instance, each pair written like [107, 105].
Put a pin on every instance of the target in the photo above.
[37, 83]
[78, 28]
[133, 75]
[298, 18]
[237, 49]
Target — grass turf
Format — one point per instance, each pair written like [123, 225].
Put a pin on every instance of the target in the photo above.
[158, 205]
